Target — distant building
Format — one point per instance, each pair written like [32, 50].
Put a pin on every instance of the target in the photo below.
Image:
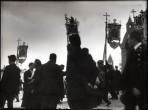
[140, 24]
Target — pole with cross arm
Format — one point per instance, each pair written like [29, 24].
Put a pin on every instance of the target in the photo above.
[105, 45]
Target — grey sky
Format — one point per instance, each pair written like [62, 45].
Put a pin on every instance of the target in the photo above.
[41, 25]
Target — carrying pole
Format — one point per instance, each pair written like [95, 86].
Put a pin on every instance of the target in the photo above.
[17, 56]
[105, 45]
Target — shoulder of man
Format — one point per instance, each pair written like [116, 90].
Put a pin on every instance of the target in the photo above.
[58, 66]
[7, 67]
[18, 68]
[12, 66]
[27, 71]
[144, 46]
[43, 65]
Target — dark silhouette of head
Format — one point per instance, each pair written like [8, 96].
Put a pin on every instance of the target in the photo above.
[134, 38]
[62, 67]
[53, 57]
[111, 67]
[37, 63]
[136, 35]
[31, 65]
[116, 67]
[100, 64]
[12, 58]
[85, 50]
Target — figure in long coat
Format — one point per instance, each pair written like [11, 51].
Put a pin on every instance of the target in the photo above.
[81, 73]
[52, 84]
[134, 77]
[35, 84]
[10, 82]
[27, 92]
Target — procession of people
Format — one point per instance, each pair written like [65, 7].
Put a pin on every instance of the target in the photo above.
[87, 82]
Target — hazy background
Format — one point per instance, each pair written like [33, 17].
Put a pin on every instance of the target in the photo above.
[42, 26]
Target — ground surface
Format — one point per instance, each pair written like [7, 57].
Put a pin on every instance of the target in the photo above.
[116, 104]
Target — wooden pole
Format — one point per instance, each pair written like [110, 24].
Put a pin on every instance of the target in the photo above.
[105, 45]
[17, 57]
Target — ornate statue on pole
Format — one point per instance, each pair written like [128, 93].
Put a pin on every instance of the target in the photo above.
[71, 26]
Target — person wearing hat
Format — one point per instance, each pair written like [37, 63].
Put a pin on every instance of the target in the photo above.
[10, 82]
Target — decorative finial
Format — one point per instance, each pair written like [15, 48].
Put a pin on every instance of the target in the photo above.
[114, 20]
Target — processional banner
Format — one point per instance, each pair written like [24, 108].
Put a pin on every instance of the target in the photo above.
[114, 34]
[22, 52]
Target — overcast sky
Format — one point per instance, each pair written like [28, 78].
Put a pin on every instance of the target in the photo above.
[41, 25]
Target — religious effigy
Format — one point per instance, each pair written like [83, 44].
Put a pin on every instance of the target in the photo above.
[71, 26]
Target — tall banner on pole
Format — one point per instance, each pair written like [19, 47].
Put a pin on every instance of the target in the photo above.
[22, 53]
[114, 34]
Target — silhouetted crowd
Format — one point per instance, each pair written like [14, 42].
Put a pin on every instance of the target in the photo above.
[87, 83]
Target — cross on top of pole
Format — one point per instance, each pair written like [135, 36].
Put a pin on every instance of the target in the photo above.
[106, 16]
[133, 11]
[18, 40]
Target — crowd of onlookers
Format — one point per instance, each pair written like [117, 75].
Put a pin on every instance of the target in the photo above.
[106, 82]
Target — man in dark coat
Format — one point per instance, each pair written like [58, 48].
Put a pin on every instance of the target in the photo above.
[117, 75]
[134, 77]
[52, 84]
[81, 73]
[35, 85]
[27, 79]
[10, 82]
[102, 87]
[111, 82]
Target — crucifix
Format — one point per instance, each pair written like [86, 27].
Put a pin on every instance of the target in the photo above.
[18, 41]
[106, 16]
[133, 11]
[105, 45]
